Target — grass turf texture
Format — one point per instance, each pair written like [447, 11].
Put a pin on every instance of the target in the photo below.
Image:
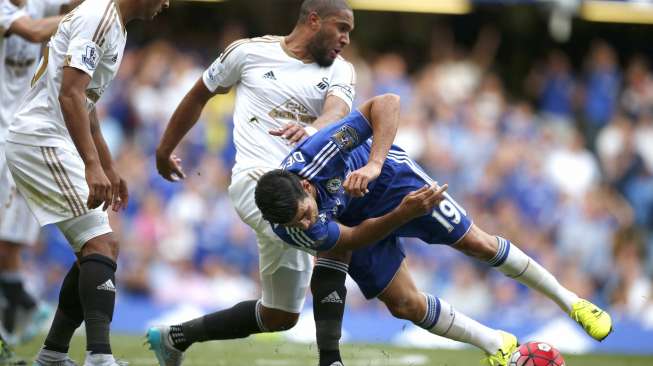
[270, 351]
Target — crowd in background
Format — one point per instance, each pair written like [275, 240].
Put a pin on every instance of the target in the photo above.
[563, 169]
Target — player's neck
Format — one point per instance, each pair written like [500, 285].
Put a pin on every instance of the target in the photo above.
[126, 10]
[296, 45]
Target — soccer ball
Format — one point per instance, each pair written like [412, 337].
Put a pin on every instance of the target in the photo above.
[536, 354]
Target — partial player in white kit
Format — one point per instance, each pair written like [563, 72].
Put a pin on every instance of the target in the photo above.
[62, 166]
[282, 85]
[23, 25]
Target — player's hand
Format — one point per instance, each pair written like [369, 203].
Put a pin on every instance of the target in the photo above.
[356, 182]
[169, 167]
[119, 192]
[292, 132]
[99, 187]
[422, 201]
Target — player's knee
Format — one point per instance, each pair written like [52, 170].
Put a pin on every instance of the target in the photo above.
[278, 321]
[478, 244]
[404, 308]
[106, 245]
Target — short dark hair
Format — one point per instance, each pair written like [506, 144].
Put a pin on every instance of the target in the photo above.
[277, 195]
[323, 8]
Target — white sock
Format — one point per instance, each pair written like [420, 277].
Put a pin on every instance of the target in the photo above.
[443, 320]
[47, 356]
[516, 264]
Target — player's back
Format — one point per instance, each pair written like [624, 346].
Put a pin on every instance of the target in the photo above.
[19, 60]
[273, 88]
[91, 38]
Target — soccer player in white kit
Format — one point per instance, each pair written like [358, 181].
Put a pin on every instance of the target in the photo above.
[282, 84]
[62, 166]
[25, 25]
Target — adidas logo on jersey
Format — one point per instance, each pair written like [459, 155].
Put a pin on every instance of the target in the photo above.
[107, 286]
[333, 297]
[269, 75]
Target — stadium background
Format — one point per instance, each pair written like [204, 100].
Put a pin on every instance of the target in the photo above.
[538, 117]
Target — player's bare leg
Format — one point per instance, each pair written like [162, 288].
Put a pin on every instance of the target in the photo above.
[514, 263]
[437, 316]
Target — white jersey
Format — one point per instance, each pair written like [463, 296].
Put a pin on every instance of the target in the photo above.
[8, 14]
[274, 88]
[19, 57]
[90, 38]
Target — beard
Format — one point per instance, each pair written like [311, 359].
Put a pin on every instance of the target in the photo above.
[319, 50]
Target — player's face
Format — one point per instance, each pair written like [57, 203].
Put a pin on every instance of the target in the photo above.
[306, 214]
[152, 8]
[331, 38]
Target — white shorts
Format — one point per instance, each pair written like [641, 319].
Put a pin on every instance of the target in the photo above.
[53, 182]
[285, 271]
[17, 223]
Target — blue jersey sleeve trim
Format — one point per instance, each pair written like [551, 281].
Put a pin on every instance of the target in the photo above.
[330, 233]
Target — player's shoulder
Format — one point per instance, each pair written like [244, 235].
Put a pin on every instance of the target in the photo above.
[343, 66]
[252, 43]
[340, 61]
[94, 16]
[249, 46]
[93, 10]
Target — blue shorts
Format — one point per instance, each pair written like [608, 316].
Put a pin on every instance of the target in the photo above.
[374, 267]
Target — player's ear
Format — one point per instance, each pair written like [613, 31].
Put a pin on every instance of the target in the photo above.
[308, 187]
[314, 21]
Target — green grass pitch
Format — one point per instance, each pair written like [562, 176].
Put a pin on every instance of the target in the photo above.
[272, 351]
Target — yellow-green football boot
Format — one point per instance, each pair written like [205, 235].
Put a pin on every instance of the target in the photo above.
[596, 322]
[502, 356]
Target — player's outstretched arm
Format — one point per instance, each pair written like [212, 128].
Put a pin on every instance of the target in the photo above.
[415, 204]
[35, 30]
[382, 112]
[334, 109]
[182, 120]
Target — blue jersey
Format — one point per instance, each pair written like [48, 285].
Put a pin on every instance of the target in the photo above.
[326, 158]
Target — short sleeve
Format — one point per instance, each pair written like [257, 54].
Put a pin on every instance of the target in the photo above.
[347, 134]
[225, 71]
[83, 52]
[320, 237]
[343, 82]
[8, 14]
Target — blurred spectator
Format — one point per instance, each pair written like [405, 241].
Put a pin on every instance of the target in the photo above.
[601, 88]
[554, 86]
[572, 167]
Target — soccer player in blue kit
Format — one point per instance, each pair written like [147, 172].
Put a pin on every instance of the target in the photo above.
[340, 195]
